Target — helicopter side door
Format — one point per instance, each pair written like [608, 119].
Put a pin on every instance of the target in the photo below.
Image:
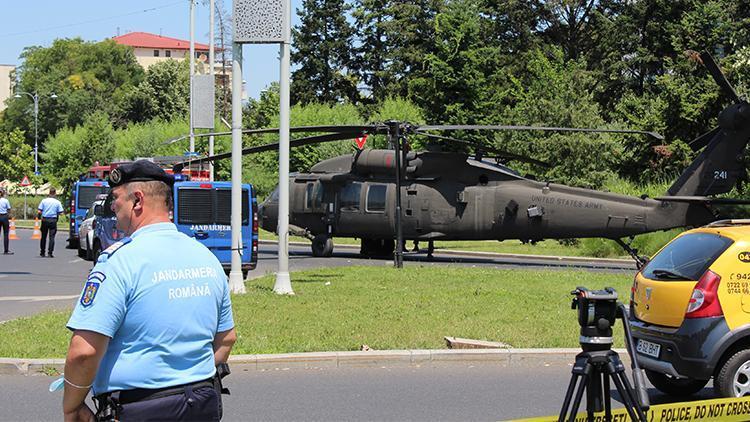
[308, 210]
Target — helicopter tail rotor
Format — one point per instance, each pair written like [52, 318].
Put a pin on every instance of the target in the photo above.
[720, 166]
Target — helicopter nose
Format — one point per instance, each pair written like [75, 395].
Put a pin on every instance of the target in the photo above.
[268, 215]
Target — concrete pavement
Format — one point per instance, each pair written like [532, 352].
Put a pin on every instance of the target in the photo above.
[354, 359]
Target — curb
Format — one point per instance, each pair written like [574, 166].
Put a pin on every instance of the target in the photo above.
[354, 359]
[548, 258]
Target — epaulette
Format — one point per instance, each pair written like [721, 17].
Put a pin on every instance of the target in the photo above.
[104, 256]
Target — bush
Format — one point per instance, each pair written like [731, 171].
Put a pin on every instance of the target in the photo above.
[16, 203]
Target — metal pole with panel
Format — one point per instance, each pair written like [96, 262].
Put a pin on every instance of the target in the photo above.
[263, 22]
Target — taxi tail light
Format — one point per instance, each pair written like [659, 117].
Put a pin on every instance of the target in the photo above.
[634, 287]
[704, 302]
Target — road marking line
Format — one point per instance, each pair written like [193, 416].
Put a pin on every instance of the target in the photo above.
[36, 298]
[75, 260]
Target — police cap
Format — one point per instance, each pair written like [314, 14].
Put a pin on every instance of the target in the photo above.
[139, 171]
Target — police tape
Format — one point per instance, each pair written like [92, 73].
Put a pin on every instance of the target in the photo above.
[725, 410]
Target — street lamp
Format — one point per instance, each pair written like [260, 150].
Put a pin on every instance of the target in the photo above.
[35, 97]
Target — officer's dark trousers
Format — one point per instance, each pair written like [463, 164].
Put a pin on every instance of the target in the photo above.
[5, 226]
[49, 227]
[200, 404]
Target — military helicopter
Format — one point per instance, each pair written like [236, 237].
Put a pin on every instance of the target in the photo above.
[384, 197]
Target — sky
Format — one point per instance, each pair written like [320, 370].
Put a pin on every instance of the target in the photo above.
[39, 22]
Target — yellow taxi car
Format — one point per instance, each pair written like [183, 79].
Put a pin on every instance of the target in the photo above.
[690, 311]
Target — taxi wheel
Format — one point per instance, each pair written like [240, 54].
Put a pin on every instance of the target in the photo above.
[675, 386]
[733, 379]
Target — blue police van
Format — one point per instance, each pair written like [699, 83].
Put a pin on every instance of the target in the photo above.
[83, 193]
[203, 210]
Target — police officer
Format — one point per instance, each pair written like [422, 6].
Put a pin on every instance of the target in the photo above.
[154, 319]
[49, 210]
[5, 220]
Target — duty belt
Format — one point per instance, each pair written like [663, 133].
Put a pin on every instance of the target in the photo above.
[109, 405]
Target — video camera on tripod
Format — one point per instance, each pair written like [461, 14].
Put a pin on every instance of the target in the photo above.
[598, 363]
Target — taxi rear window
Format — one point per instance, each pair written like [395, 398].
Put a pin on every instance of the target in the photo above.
[687, 257]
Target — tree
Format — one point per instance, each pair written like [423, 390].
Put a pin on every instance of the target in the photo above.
[462, 80]
[86, 76]
[163, 94]
[18, 160]
[71, 151]
[393, 39]
[557, 92]
[323, 51]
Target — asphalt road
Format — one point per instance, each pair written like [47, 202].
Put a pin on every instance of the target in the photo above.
[30, 284]
[455, 392]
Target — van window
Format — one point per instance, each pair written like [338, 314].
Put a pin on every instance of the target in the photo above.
[208, 206]
[687, 257]
[349, 197]
[107, 207]
[376, 198]
[224, 207]
[87, 195]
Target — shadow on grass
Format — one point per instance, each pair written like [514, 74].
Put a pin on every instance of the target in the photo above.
[320, 278]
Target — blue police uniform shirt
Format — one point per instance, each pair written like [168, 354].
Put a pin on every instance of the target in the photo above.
[50, 207]
[4, 205]
[161, 297]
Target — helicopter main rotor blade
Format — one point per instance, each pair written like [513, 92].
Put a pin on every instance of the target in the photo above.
[328, 128]
[703, 140]
[718, 75]
[503, 154]
[420, 129]
[309, 140]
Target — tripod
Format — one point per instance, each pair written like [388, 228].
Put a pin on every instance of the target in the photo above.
[594, 369]
[598, 363]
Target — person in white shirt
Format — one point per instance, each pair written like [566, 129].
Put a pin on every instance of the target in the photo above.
[49, 210]
[5, 221]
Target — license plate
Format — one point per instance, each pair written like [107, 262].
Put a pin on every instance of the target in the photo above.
[648, 348]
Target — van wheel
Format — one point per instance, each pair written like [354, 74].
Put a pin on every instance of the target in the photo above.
[322, 245]
[81, 252]
[675, 386]
[97, 251]
[89, 252]
[244, 274]
[733, 379]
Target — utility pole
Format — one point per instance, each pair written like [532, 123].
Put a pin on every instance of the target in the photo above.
[213, 81]
[192, 70]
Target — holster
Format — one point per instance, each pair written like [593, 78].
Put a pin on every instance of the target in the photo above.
[108, 407]
[222, 370]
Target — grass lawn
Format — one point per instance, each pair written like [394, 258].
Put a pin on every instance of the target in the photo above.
[338, 309]
[546, 247]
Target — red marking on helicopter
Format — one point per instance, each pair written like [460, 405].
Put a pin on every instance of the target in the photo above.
[361, 141]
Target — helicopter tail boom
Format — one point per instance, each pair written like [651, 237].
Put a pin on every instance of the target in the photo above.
[719, 167]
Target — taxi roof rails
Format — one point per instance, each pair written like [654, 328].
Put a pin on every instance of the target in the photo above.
[731, 222]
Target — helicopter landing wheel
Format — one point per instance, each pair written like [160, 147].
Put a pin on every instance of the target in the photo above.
[377, 248]
[322, 246]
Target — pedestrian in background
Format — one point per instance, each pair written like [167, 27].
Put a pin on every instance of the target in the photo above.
[5, 221]
[49, 211]
[152, 331]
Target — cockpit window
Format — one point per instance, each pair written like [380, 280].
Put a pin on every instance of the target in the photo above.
[313, 195]
[275, 195]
